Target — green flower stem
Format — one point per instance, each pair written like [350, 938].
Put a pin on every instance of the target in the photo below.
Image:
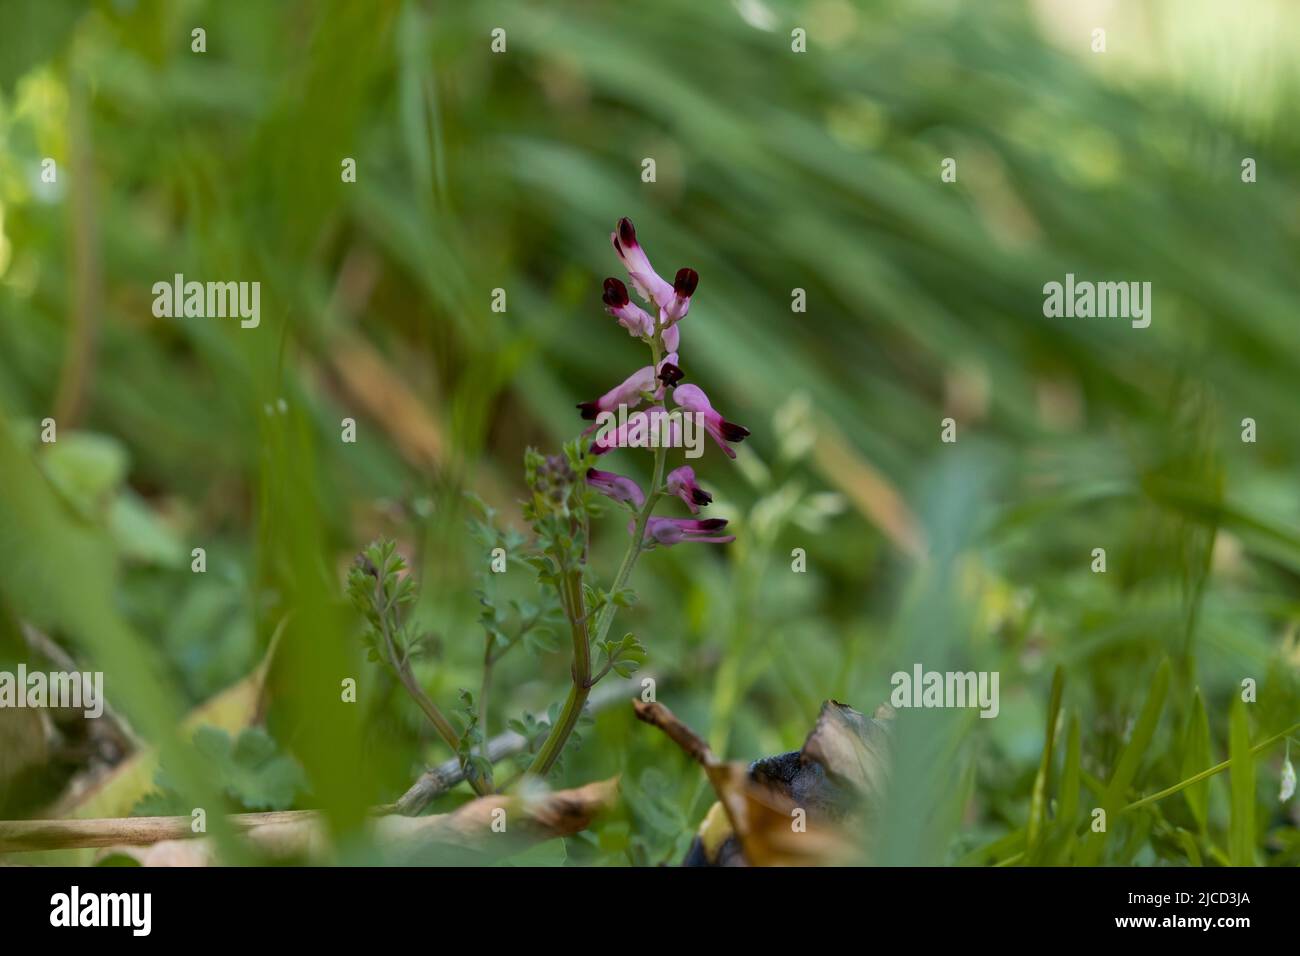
[581, 687]
[582, 638]
[483, 711]
[582, 682]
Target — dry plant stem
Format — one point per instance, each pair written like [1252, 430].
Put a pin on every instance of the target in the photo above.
[561, 813]
[657, 715]
[17, 836]
[44, 645]
[582, 637]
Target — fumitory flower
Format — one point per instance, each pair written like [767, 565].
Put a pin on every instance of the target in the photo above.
[683, 288]
[648, 283]
[618, 487]
[681, 482]
[631, 390]
[669, 531]
[693, 399]
[632, 317]
[672, 301]
[655, 427]
[636, 412]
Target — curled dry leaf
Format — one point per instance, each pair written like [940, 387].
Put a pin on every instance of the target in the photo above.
[806, 807]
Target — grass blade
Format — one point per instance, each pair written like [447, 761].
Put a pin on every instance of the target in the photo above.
[1196, 756]
[1038, 798]
[1130, 760]
[1241, 777]
[1067, 804]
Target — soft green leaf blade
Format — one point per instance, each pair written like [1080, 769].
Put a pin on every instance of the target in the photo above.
[1130, 760]
[1038, 798]
[1196, 757]
[1241, 779]
[1067, 804]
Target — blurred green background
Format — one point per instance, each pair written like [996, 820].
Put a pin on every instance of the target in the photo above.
[775, 171]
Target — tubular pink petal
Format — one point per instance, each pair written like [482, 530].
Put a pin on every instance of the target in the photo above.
[693, 399]
[618, 487]
[631, 317]
[672, 338]
[628, 392]
[670, 531]
[683, 288]
[648, 428]
[681, 482]
[639, 323]
[648, 283]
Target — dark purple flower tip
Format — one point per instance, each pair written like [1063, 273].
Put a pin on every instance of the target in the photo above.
[685, 283]
[615, 294]
[670, 374]
[711, 524]
[701, 497]
[626, 232]
[589, 410]
[733, 432]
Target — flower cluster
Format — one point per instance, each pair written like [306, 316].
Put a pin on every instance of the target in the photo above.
[653, 386]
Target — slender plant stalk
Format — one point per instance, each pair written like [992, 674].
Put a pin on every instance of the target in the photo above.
[488, 661]
[581, 685]
[1209, 772]
[582, 637]
[404, 673]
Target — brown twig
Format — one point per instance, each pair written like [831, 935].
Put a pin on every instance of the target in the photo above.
[44, 645]
[299, 832]
[657, 715]
[17, 836]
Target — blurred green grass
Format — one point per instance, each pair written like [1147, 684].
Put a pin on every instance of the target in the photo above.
[775, 171]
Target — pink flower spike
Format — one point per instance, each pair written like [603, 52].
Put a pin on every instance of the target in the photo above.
[628, 392]
[670, 531]
[681, 482]
[683, 288]
[693, 399]
[618, 487]
[636, 320]
[645, 280]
